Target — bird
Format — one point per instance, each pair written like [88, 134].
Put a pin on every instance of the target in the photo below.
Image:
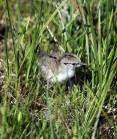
[56, 68]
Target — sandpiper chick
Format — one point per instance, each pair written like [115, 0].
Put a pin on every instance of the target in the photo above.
[58, 69]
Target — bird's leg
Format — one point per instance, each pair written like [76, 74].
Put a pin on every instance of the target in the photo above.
[69, 84]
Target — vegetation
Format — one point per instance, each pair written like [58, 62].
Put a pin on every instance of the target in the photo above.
[28, 109]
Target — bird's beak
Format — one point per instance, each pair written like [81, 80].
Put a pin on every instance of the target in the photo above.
[83, 64]
[80, 64]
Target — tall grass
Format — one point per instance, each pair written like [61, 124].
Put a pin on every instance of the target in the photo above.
[28, 109]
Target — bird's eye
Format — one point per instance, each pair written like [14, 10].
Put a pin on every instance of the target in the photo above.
[74, 64]
[52, 57]
[65, 63]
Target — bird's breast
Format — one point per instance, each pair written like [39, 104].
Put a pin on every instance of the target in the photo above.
[62, 76]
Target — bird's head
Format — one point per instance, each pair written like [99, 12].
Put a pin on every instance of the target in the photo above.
[71, 61]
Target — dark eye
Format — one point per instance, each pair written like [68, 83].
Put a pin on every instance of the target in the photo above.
[65, 63]
[75, 64]
[52, 56]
